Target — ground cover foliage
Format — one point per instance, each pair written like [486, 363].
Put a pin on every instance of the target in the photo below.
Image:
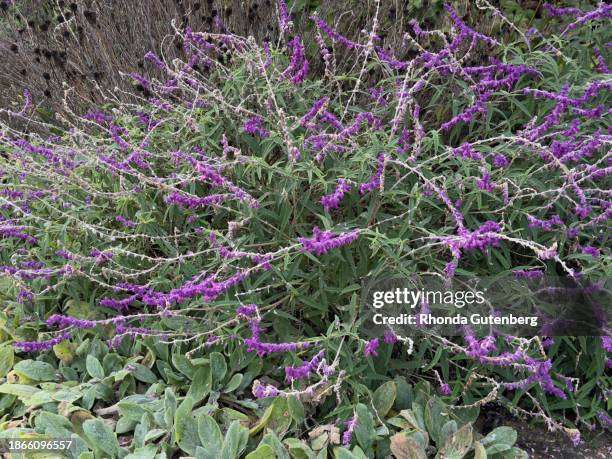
[181, 272]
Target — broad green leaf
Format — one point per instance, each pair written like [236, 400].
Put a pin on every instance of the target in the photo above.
[234, 441]
[35, 370]
[7, 358]
[262, 452]
[404, 447]
[504, 435]
[218, 366]
[272, 439]
[298, 449]
[143, 373]
[296, 408]
[94, 367]
[145, 452]
[457, 446]
[202, 383]
[186, 428]
[210, 435]
[343, 453]
[364, 430]
[22, 391]
[479, 451]
[169, 407]
[101, 436]
[384, 398]
[233, 383]
[435, 417]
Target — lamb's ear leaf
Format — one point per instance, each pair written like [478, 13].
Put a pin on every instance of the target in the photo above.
[210, 435]
[364, 430]
[101, 436]
[384, 398]
[185, 427]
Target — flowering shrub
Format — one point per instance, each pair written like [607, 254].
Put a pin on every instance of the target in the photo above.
[209, 241]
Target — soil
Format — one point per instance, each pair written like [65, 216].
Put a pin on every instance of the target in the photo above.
[539, 443]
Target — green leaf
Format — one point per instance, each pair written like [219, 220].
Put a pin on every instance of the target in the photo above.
[272, 439]
[169, 407]
[298, 449]
[343, 453]
[296, 408]
[210, 435]
[404, 447]
[262, 452]
[218, 366]
[384, 398]
[479, 451]
[201, 384]
[186, 428]
[435, 418]
[234, 441]
[233, 383]
[404, 395]
[101, 436]
[35, 370]
[364, 431]
[7, 358]
[142, 429]
[458, 444]
[46, 420]
[143, 373]
[145, 452]
[22, 391]
[504, 435]
[94, 367]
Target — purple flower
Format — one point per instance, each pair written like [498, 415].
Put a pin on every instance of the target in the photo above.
[332, 201]
[590, 250]
[605, 420]
[445, 389]
[500, 160]
[264, 391]
[248, 310]
[254, 343]
[155, 60]
[67, 321]
[466, 151]
[546, 225]
[375, 180]
[324, 241]
[484, 183]
[298, 66]
[119, 305]
[528, 274]
[125, 222]
[144, 82]
[390, 337]
[335, 36]
[38, 346]
[347, 436]
[284, 19]
[606, 343]
[371, 348]
[313, 112]
[602, 67]
[253, 126]
[306, 369]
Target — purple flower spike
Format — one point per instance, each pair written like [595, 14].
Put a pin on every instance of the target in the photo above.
[332, 201]
[371, 348]
[253, 126]
[347, 436]
[324, 241]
